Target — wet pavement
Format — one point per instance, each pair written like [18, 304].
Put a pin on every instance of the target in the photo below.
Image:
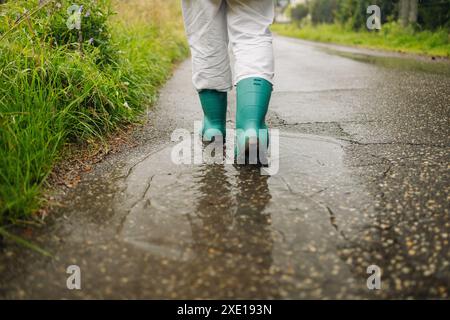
[363, 180]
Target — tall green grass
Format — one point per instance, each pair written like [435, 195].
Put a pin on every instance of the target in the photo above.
[391, 37]
[57, 87]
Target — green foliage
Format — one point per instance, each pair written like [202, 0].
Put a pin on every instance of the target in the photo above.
[55, 89]
[434, 14]
[299, 12]
[94, 31]
[322, 11]
[353, 13]
[391, 37]
[49, 24]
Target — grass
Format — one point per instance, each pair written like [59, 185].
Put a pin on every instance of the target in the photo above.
[391, 37]
[58, 89]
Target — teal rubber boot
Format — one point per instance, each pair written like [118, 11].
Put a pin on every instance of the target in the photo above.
[214, 104]
[253, 97]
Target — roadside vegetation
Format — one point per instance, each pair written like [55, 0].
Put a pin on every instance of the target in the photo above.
[66, 83]
[419, 27]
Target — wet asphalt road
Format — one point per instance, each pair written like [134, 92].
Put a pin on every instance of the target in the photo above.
[363, 180]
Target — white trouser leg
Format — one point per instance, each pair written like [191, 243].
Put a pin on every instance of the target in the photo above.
[250, 38]
[206, 28]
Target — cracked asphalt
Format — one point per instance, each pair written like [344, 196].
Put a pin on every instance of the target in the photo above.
[363, 180]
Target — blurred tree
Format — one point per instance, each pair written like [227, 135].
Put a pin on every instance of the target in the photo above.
[433, 14]
[426, 14]
[322, 11]
[408, 12]
[353, 13]
[299, 12]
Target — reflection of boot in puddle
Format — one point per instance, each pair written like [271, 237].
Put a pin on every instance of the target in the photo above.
[252, 225]
[232, 237]
[213, 217]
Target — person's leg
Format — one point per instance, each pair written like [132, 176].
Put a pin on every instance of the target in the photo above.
[251, 42]
[206, 28]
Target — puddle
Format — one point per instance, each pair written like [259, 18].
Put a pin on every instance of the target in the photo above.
[399, 63]
[193, 213]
